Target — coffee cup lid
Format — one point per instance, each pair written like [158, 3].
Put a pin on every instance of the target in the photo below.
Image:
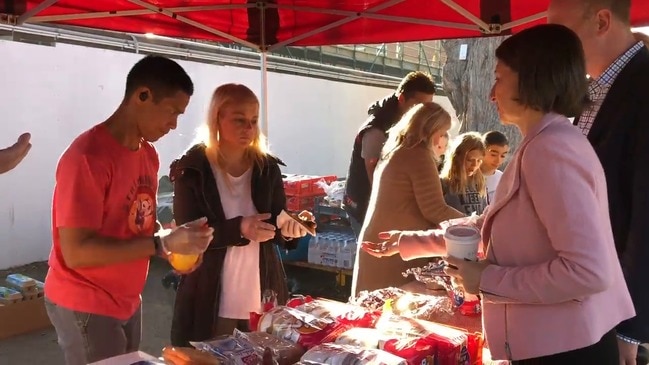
[462, 233]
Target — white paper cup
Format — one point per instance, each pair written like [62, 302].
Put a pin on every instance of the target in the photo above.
[462, 242]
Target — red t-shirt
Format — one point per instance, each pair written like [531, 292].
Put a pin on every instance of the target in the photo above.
[103, 186]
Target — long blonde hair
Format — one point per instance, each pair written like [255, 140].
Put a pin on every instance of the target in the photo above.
[224, 96]
[417, 127]
[454, 171]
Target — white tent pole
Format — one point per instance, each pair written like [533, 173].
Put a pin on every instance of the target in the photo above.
[136, 12]
[467, 14]
[263, 107]
[263, 70]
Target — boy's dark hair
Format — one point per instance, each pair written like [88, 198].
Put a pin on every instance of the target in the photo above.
[495, 138]
[550, 72]
[414, 82]
[163, 76]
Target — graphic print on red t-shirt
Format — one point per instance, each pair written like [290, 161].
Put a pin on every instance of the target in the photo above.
[141, 216]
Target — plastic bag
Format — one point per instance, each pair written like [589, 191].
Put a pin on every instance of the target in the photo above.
[334, 191]
[333, 354]
[347, 314]
[299, 327]
[375, 300]
[282, 351]
[471, 220]
[433, 275]
[230, 350]
[370, 338]
[421, 341]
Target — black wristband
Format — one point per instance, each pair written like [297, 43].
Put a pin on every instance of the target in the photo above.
[157, 243]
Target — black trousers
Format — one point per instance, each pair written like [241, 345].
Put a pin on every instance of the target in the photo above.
[604, 352]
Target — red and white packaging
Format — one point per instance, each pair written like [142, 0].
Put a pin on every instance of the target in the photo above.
[299, 327]
[346, 314]
[420, 342]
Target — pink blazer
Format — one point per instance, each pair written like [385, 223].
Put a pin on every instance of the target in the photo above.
[555, 283]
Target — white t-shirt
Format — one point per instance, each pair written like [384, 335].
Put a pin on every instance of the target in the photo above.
[492, 184]
[240, 284]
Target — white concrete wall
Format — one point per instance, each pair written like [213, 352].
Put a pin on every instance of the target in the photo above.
[57, 92]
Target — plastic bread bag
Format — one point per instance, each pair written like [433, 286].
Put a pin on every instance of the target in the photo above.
[299, 327]
[230, 350]
[427, 307]
[333, 354]
[347, 314]
[418, 340]
[282, 351]
[369, 338]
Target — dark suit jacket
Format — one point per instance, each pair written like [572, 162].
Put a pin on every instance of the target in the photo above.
[620, 136]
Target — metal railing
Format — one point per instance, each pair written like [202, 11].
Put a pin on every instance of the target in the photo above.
[394, 59]
[191, 50]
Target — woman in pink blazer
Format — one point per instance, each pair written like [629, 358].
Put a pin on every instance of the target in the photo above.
[551, 285]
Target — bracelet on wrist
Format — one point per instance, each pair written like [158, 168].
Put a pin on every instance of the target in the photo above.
[160, 247]
[628, 339]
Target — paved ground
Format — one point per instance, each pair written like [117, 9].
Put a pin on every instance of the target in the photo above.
[41, 347]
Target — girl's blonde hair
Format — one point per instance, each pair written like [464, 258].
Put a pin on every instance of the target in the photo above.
[454, 171]
[417, 127]
[225, 96]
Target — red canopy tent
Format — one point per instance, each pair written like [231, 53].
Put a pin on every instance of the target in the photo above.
[271, 24]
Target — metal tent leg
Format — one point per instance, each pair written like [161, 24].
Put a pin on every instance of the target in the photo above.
[263, 97]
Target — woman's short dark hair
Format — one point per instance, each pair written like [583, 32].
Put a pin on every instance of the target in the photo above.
[549, 60]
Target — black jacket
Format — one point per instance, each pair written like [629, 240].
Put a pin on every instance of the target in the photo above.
[196, 195]
[382, 115]
[620, 136]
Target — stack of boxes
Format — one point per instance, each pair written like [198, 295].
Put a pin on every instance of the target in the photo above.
[22, 306]
[303, 190]
[19, 288]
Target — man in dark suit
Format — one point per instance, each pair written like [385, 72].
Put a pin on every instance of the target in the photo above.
[617, 125]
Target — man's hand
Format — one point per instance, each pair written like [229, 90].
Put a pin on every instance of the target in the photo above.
[628, 352]
[191, 238]
[11, 156]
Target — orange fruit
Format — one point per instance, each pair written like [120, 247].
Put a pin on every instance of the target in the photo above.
[182, 262]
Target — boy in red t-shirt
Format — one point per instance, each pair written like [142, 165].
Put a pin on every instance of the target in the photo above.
[104, 218]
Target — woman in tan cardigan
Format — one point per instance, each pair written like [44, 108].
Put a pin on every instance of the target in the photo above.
[406, 194]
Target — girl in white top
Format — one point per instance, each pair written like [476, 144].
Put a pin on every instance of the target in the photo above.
[231, 179]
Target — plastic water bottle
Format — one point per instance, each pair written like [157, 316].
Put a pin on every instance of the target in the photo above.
[353, 247]
[324, 248]
[313, 255]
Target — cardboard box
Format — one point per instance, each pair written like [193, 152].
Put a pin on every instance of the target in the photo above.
[23, 317]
